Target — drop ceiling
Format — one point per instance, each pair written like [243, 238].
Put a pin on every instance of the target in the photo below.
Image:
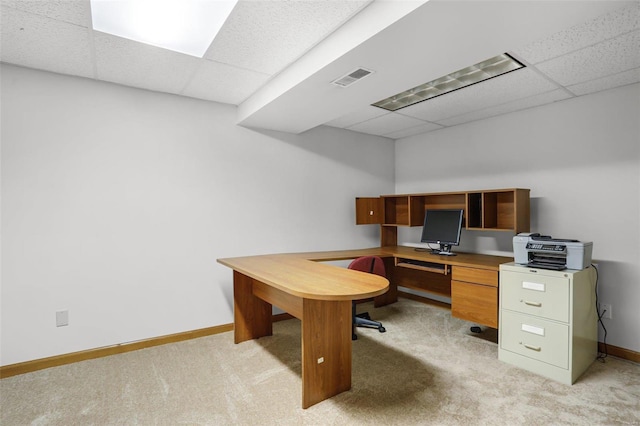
[275, 60]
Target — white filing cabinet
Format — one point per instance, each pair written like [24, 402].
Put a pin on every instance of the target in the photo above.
[548, 322]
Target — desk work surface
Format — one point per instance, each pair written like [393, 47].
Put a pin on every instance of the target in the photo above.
[472, 260]
[297, 275]
[304, 274]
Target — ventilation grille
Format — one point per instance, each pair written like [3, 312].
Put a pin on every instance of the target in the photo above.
[352, 77]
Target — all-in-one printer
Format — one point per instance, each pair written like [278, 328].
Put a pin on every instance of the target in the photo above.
[542, 251]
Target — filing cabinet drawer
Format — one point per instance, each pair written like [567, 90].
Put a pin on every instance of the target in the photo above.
[535, 338]
[541, 295]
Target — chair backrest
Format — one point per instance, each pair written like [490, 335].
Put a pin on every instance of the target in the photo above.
[370, 264]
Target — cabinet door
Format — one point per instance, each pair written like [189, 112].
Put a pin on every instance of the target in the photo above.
[475, 302]
[368, 211]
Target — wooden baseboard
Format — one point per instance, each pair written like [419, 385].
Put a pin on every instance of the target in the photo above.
[282, 317]
[58, 360]
[618, 352]
[609, 350]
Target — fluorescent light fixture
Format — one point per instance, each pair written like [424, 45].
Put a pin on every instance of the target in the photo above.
[185, 26]
[482, 71]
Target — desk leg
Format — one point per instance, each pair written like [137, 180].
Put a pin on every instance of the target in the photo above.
[251, 315]
[326, 350]
[391, 296]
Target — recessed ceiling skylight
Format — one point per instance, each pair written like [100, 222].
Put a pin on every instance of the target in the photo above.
[484, 70]
[185, 26]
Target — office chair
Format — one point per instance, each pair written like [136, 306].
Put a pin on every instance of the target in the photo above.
[372, 265]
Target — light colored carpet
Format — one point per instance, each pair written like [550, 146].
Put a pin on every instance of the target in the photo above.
[426, 369]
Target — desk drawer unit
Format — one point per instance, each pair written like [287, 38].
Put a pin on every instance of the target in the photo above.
[474, 295]
[548, 322]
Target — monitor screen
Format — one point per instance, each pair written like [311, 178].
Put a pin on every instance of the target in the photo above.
[442, 227]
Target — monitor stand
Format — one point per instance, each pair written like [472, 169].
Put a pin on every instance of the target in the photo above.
[445, 250]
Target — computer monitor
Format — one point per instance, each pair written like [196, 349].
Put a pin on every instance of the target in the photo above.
[442, 227]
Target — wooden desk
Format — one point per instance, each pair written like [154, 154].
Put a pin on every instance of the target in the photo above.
[469, 279]
[320, 296]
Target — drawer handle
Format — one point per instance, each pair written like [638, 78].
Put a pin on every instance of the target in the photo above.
[533, 348]
[536, 304]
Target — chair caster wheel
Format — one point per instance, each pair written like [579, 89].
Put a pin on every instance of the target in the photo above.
[382, 329]
[354, 337]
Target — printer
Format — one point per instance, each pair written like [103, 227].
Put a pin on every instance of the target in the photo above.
[545, 252]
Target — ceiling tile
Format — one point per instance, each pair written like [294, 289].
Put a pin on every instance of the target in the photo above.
[130, 63]
[223, 83]
[266, 36]
[608, 82]
[35, 41]
[356, 117]
[595, 31]
[517, 105]
[517, 84]
[386, 124]
[610, 57]
[412, 131]
[76, 12]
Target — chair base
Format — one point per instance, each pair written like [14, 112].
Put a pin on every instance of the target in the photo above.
[364, 320]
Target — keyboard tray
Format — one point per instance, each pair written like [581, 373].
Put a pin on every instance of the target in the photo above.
[422, 265]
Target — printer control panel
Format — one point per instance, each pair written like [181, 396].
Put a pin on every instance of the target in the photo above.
[547, 247]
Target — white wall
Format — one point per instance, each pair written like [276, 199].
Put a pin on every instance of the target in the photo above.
[581, 160]
[116, 203]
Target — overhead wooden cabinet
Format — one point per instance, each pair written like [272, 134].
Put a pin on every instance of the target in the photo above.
[368, 211]
[484, 210]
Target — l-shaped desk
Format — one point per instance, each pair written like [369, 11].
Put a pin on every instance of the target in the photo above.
[320, 295]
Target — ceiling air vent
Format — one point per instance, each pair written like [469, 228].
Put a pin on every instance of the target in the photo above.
[352, 77]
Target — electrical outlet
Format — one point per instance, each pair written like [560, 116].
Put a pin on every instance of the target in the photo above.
[606, 310]
[62, 318]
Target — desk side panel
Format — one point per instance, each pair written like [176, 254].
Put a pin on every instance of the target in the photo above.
[251, 315]
[284, 301]
[391, 296]
[326, 350]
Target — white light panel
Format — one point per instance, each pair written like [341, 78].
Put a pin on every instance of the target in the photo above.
[484, 70]
[185, 26]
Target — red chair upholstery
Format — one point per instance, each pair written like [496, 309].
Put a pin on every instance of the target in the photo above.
[372, 265]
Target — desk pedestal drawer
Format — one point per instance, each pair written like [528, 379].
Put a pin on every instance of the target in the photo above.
[474, 275]
[475, 302]
[535, 338]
